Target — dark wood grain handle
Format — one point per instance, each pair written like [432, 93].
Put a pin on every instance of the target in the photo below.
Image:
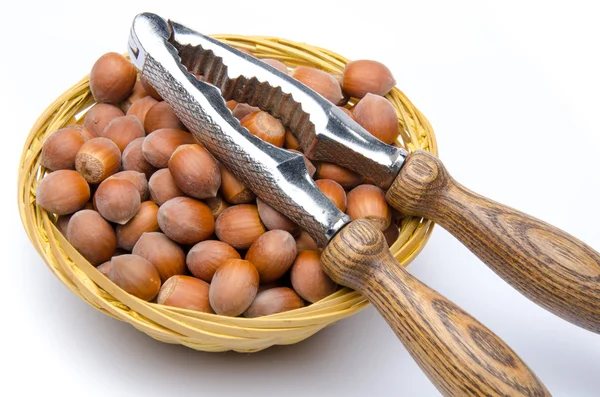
[549, 266]
[459, 355]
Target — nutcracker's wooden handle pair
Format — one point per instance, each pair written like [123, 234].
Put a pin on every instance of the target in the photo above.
[551, 267]
[458, 354]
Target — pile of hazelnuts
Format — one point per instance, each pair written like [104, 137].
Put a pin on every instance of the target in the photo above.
[142, 200]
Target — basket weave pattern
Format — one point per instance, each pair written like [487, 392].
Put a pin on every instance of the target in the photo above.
[202, 331]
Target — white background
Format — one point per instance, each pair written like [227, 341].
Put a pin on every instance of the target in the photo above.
[512, 90]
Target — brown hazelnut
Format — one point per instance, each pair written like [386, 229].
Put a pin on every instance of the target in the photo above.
[320, 81]
[243, 109]
[185, 292]
[92, 236]
[99, 116]
[275, 220]
[161, 116]
[334, 192]
[140, 108]
[137, 93]
[112, 78]
[165, 254]
[291, 142]
[144, 221]
[348, 112]
[233, 287]
[232, 190]
[105, 268]
[368, 202]
[346, 178]
[98, 159]
[186, 220]
[306, 243]
[162, 187]
[62, 192]
[195, 171]
[308, 278]
[239, 226]
[135, 275]
[391, 234]
[86, 133]
[60, 149]
[150, 90]
[272, 254]
[133, 159]
[276, 64]
[217, 205]
[160, 145]
[137, 178]
[123, 130]
[117, 200]
[274, 300]
[377, 115]
[206, 256]
[365, 76]
[265, 126]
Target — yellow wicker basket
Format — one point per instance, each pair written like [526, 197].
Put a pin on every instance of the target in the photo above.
[201, 331]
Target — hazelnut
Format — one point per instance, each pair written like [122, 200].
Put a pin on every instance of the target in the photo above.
[217, 205]
[60, 149]
[97, 118]
[123, 130]
[377, 115]
[368, 202]
[92, 236]
[144, 221]
[274, 300]
[233, 287]
[334, 192]
[112, 78]
[133, 159]
[161, 116]
[232, 190]
[320, 81]
[206, 256]
[290, 141]
[265, 126]
[242, 110]
[98, 159]
[239, 226]
[137, 178]
[195, 171]
[117, 200]
[135, 275]
[104, 268]
[186, 220]
[150, 90]
[308, 278]
[160, 145]
[348, 112]
[165, 254]
[365, 76]
[62, 192]
[306, 243]
[391, 234]
[346, 178]
[185, 292]
[162, 187]
[272, 254]
[141, 107]
[276, 64]
[274, 219]
[137, 93]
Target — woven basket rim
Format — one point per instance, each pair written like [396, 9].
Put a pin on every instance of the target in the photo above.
[202, 331]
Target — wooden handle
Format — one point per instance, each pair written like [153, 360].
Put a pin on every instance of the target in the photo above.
[459, 355]
[551, 267]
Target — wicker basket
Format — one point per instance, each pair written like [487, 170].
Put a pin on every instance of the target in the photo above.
[201, 331]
